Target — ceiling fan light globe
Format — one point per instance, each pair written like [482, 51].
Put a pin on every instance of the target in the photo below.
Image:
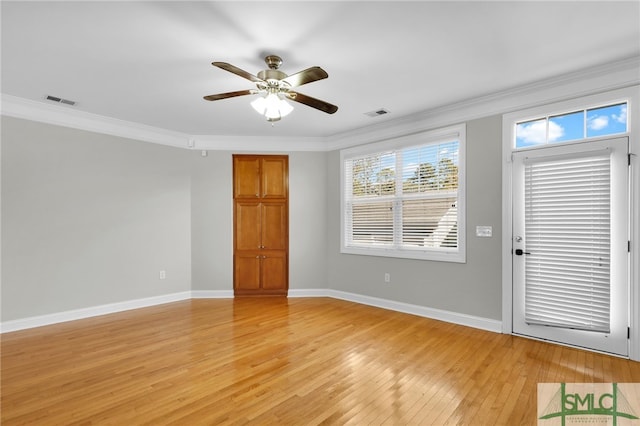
[260, 105]
[272, 107]
[285, 107]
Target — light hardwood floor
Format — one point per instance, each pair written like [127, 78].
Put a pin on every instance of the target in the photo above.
[285, 362]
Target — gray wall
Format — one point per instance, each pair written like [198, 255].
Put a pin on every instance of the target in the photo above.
[473, 288]
[307, 220]
[89, 219]
[212, 220]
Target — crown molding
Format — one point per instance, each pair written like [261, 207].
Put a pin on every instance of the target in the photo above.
[606, 77]
[17, 107]
[58, 115]
[257, 143]
[603, 78]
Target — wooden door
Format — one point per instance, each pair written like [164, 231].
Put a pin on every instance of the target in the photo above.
[274, 271]
[261, 238]
[246, 177]
[247, 272]
[273, 223]
[248, 225]
[274, 177]
[260, 176]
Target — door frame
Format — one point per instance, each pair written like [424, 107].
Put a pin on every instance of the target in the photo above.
[630, 95]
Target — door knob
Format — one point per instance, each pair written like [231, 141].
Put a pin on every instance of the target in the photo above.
[520, 252]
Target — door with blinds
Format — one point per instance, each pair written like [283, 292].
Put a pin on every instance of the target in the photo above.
[570, 244]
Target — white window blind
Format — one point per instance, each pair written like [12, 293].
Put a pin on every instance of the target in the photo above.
[405, 201]
[567, 228]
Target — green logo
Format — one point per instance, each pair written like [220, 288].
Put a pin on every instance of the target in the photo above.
[585, 403]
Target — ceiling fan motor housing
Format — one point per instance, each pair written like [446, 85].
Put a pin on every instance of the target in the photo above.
[273, 79]
[273, 61]
[271, 74]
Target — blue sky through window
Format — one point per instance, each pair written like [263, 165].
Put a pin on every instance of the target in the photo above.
[567, 127]
[608, 120]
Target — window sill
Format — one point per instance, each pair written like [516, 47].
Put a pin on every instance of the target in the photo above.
[457, 256]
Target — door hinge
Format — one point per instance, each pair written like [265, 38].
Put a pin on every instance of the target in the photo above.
[629, 246]
[629, 159]
[628, 332]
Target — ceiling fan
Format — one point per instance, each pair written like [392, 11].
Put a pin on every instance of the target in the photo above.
[275, 86]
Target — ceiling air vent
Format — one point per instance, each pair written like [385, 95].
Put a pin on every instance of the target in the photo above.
[60, 100]
[377, 112]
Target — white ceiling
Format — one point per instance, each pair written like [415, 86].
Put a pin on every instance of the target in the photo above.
[149, 62]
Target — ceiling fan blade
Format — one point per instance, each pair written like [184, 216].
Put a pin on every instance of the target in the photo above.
[237, 71]
[312, 102]
[306, 76]
[229, 95]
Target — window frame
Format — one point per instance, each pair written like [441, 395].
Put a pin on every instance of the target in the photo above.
[630, 93]
[541, 115]
[447, 134]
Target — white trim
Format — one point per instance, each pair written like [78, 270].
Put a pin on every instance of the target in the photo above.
[634, 186]
[407, 308]
[309, 292]
[60, 115]
[630, 94]
[456, 132]
[259, 143]
[507, 226]
[212, 294]
[13, 106]
[597, 79]
[634, 225]
[437, 314]
[94, 311]
[422, 311]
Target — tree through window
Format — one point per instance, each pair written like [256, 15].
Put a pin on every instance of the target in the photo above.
[405, 202]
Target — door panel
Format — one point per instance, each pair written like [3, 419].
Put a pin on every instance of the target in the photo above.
[274, 226]
[246, 172]
[570, 261]
[274, 177]
[247, 271]
[274, 271]
[248, 230]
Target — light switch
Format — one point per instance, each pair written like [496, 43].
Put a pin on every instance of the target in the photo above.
[484, 231]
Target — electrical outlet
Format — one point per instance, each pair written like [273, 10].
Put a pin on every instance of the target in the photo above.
[387, 277]
[163, 275]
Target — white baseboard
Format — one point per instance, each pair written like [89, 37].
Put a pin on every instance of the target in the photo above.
[437, 314]
[422, 311]
[212, 294]
[309, 292]
[94, 311]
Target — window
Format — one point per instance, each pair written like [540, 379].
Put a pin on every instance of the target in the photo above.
[404, 198]
[571, 126]
[568, 231]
